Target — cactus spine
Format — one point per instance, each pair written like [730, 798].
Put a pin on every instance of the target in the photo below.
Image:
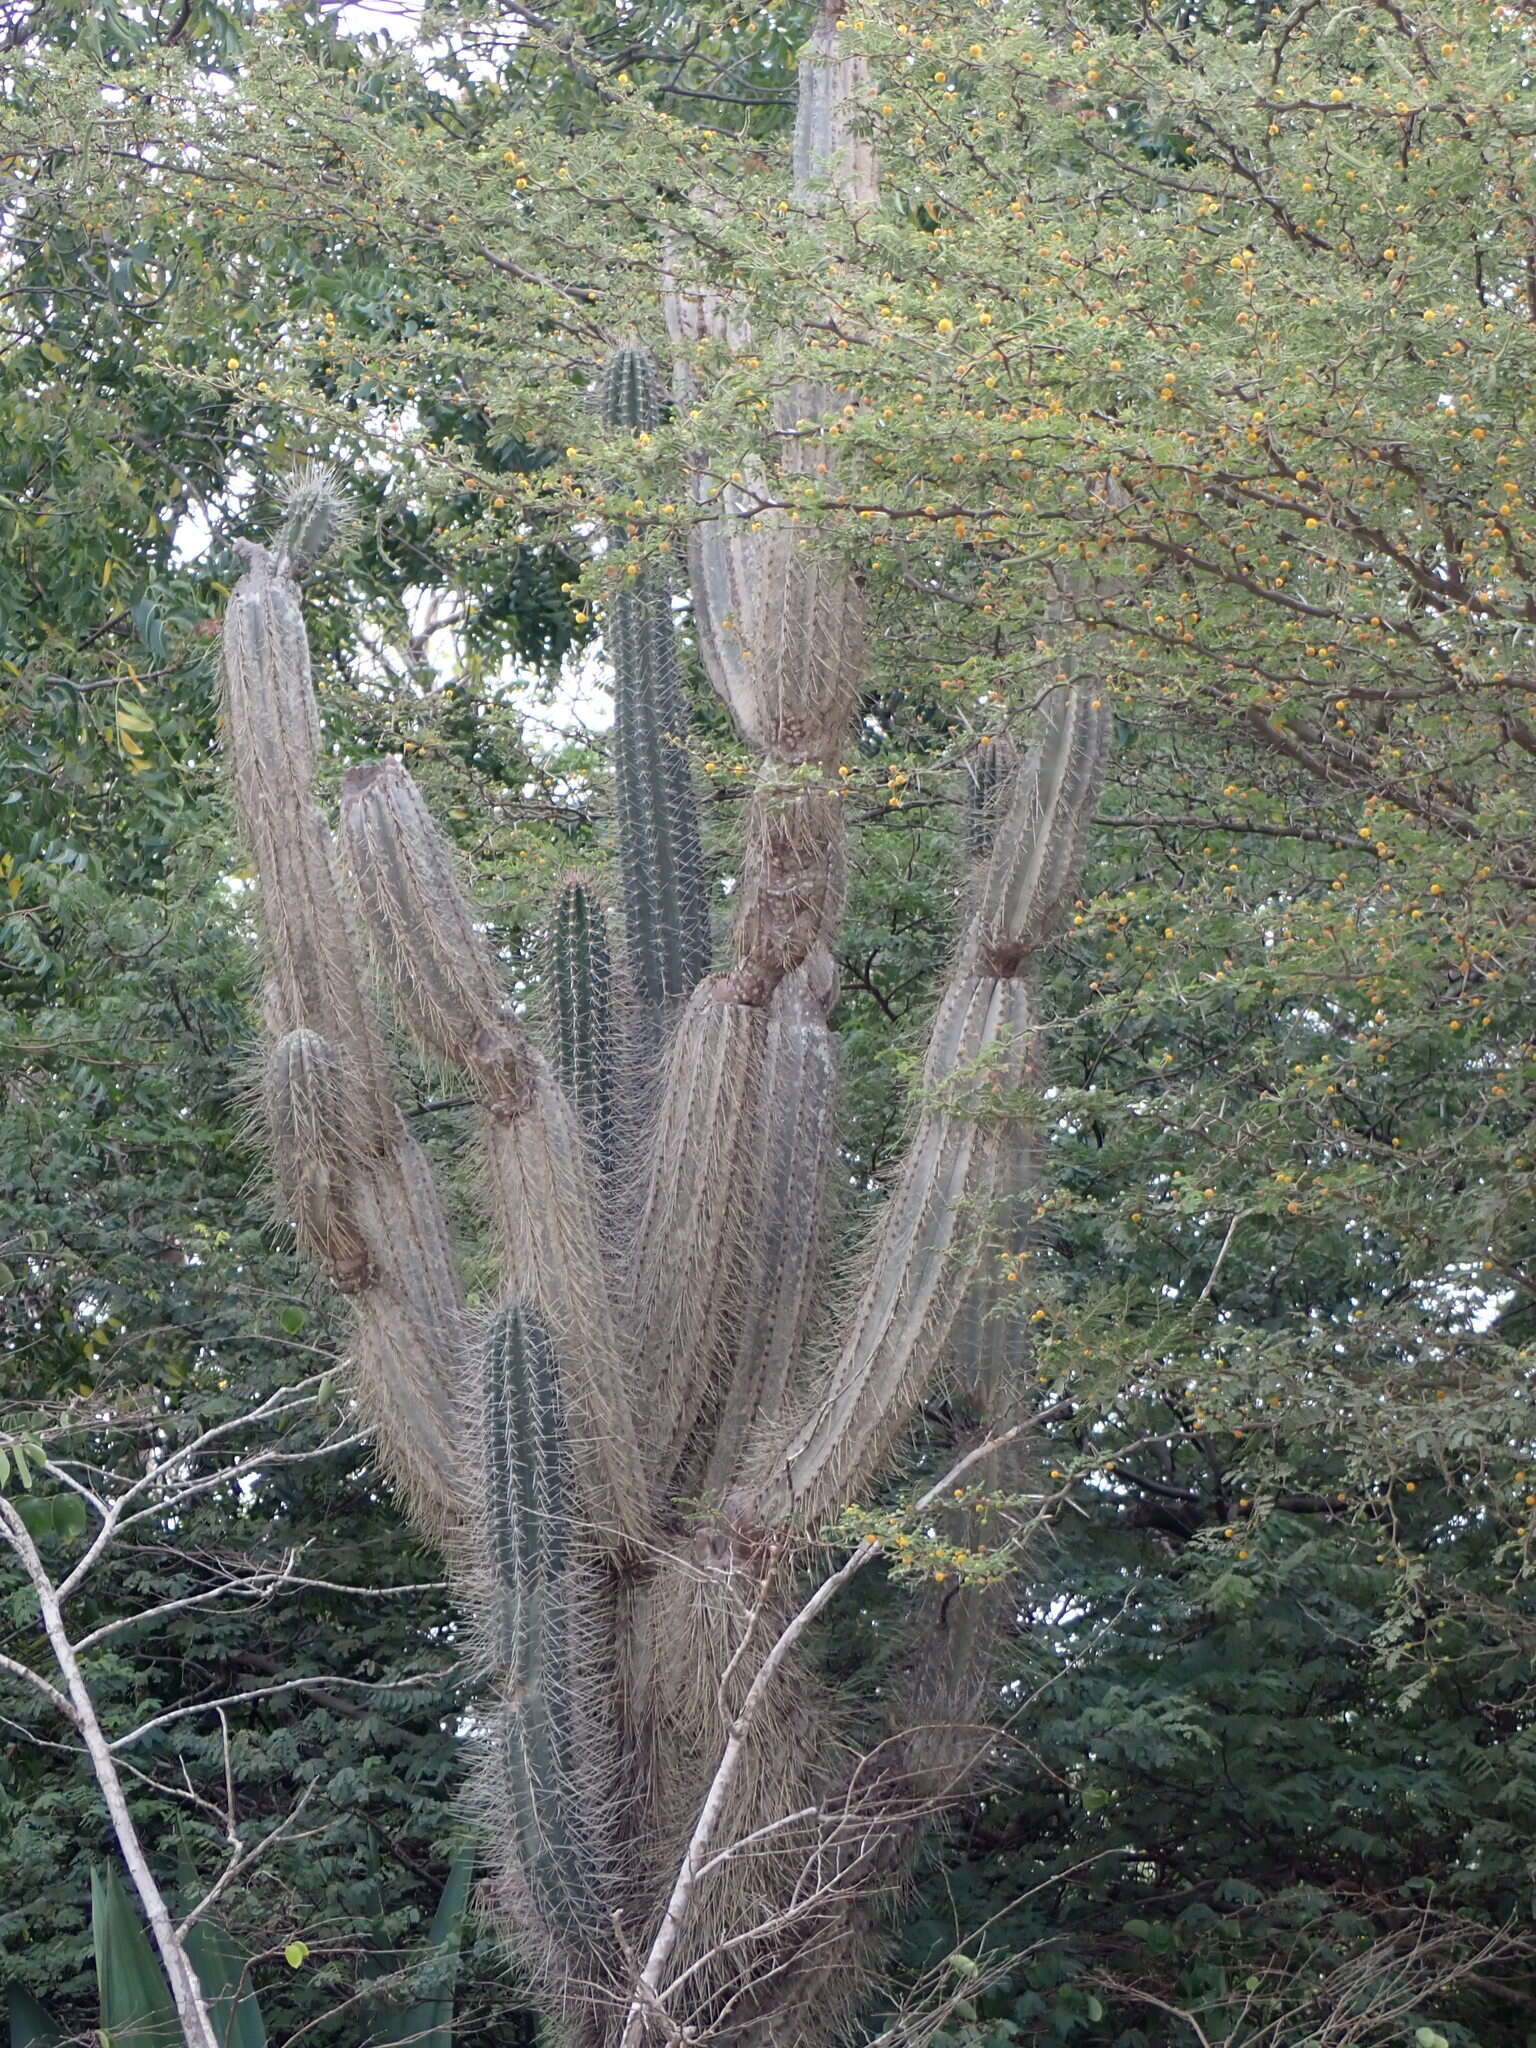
[623, 1467]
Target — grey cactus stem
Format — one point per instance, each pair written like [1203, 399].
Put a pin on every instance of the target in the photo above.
[345, 1160]
[425, 939]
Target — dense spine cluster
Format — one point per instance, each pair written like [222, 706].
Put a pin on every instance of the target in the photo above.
[667, 1399]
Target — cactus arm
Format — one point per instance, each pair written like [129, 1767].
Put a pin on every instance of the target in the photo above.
[989, 775]
[834, 156]
[547, 1772]
[438, 968]
[666, 901]
[1040, 827]
[315, 517]
[580, 976]
[691, 1239]
[781, 629]
[662, 865]
[788, 1212]
[354, 1182]
[983, 1042]
[892, 1338]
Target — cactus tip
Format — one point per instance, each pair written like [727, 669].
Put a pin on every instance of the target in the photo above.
[315, 516]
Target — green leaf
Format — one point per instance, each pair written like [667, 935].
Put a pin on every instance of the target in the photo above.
[223, 1974]
[70, 1516]
[136, 2006]
[1095, 1797]
[295, 1953]
[428, 2023]
[30, 2025]
[1095, 2008]
[1427, 2037]
[292, 1320]
[37, 1517]
[221, 1969]
[5, 1469]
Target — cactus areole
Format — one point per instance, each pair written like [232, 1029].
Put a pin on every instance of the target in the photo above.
[664, 1331]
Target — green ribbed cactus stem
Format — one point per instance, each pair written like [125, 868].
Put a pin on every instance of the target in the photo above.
[528, 1477]
[666, 904]
[315, 516]
[423, 935]
[545, 1761]
[661, 861]
[305, 1099]
[631, 393]
[580, 978]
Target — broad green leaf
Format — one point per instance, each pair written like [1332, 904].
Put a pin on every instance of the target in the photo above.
[428, 2023]
[224, 1976]
[136, 2006]
[70, 1516]
[30, 2025]
[37, 1516]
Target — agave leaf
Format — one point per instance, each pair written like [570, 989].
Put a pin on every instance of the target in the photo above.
[428, 2023]
[136, 2006]
[221, 1970]
[220, 1967]
[31, 2027]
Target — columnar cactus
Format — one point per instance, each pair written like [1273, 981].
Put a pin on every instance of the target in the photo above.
[625, 1459]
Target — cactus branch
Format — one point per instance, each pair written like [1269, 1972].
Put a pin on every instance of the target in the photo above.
[666, 904]
[580, 976]
[690, 1243]
[357, 1188]
[547, 1755]
[982, 1043]
[439, 970]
